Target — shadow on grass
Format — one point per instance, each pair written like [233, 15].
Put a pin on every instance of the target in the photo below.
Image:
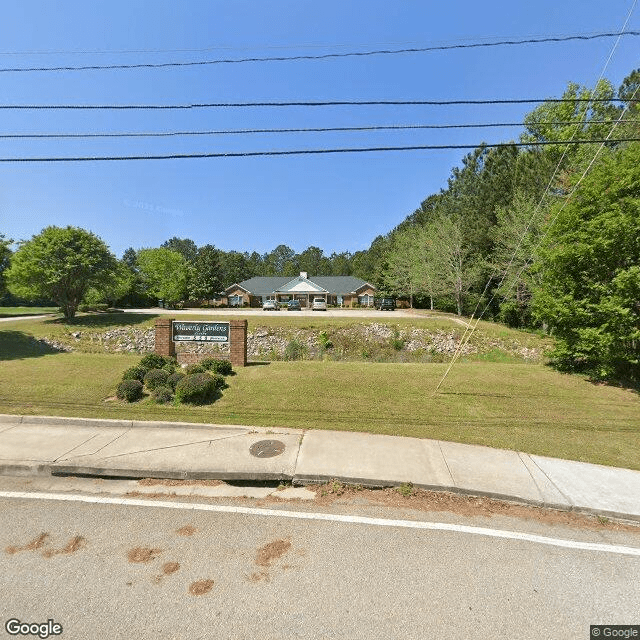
[15, 345]
[105, 320]
[257, 363]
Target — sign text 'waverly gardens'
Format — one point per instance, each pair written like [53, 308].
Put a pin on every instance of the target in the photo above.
[199, 331]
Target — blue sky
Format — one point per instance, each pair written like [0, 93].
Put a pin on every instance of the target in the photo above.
[337, 202]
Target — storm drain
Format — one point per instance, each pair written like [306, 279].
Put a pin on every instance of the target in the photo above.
[267, 448]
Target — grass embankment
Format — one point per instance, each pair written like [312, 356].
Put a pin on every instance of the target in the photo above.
[523, 407]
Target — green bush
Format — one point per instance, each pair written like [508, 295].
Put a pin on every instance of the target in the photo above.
[295, 350]
[154, 361]
[135, 373]
[163, 394]
[218, 381]
[156, 378]
[129, 390]
[170, 367]
[196, 367]
[222, 367]
[174, 378]
[197, 388]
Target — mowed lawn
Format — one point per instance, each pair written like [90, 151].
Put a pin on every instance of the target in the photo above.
[524, 407]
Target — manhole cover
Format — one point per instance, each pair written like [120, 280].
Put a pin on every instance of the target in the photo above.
[267, 448]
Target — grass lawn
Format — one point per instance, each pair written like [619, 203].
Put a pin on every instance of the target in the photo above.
[7, 312]
[524, 407]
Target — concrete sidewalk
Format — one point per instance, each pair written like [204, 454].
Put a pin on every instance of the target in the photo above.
[40, 445]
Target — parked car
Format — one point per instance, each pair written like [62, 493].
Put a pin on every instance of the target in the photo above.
[294, 305]
[319, 304]
[385, 304]
[270, 305]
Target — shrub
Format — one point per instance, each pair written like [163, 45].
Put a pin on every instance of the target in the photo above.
[154, 361]
[135, 373]
[295, 350]
[323, 341]
[170, 367]
[197, 388]
[196, 367]
[129, 390]
[218, 381]
[163, 394]
[222, 367]
[174, 378]
[156, 378]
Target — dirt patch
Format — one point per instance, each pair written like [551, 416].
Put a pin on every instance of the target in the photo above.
[75, 544]
[167, 482]
[201, 587]
[34, 545]
[260, 576]
[272, 551]
[187, 530]
[469, 506]
[170, 567]
[167, 569]
[143, 554]
[143, 494]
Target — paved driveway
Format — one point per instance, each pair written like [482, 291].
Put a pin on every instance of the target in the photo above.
[331, 313]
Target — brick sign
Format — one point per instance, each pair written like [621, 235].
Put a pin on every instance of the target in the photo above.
[199, 331]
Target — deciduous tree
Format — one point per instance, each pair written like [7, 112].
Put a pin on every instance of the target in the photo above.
[60, 264]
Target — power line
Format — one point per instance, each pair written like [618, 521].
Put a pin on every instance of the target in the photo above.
[312, 103]
[325, 56]
[390, 127]
[306, 45]
[295, 152]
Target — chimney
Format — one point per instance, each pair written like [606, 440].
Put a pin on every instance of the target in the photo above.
[303, 274]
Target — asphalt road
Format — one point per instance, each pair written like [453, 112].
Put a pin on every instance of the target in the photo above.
[152, 571]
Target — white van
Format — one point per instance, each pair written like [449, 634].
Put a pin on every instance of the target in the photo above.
[319, 304]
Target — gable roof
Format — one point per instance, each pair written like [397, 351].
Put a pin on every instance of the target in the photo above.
[268, 285]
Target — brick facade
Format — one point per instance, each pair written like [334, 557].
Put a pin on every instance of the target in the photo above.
[237, 339]
[164, 344]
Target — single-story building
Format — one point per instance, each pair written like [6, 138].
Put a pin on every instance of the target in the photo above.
[341, 291]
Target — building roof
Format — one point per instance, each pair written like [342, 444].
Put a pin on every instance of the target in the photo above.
[336, 285]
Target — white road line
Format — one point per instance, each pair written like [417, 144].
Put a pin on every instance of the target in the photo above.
[329, 517]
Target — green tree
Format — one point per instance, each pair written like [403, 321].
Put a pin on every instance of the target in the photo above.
[163, 273]
[184, 246]
[205, 275]
[314, 262]
[60, 264]
[516, 235]
[402, 262]
[590, 272]
[282, 261]
[5, 259]
[455, 265]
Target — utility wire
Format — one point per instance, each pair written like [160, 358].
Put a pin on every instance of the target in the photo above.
[306, 45]
[325, 56]
[391, 127]
[319, 103]
[295, 152]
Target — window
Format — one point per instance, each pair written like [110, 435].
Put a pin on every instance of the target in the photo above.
[235, 301]
[366, 300]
